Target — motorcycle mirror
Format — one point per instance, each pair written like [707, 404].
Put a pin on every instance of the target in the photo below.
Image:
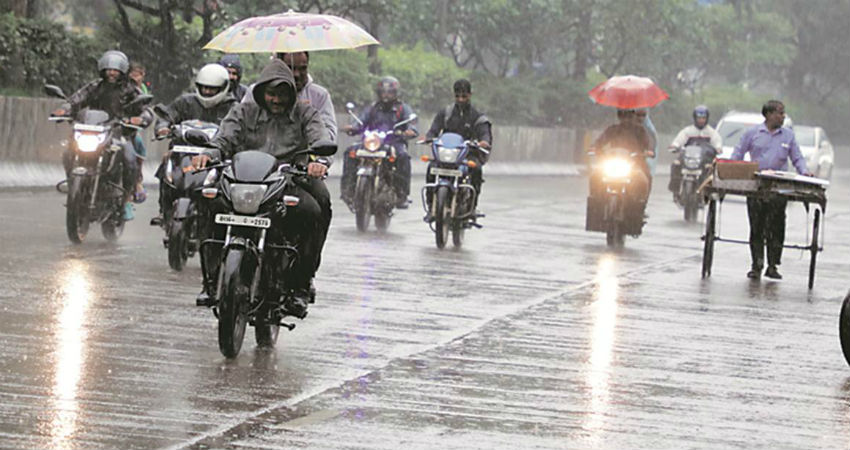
[54, 91]
[324, 148]
[196, 137]
[349, 106]
[141, 100]
[159, 110]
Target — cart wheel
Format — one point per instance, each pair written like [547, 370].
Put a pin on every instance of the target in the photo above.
[708, 246]
[814, 248]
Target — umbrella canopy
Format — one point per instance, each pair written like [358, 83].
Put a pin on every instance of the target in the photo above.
[628, 92]
[290, 32]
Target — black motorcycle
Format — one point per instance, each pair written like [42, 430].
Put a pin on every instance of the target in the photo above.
[695, 161]
[373, 192]
[94, 185]
[255, 256]
[448, 195]
[609, 209]
[183, 213]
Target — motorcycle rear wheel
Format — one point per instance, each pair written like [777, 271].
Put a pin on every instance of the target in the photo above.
[363, 202]
[266, 328]
[232, 318]
[442, 217]
[382, 220]
[77, 210]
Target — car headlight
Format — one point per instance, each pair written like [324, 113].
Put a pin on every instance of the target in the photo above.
[616, 168]
[447, 155]
[246, 198]
[372, 142]
[88, 142]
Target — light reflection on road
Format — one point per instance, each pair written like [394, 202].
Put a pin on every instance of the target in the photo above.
[604, 310]
[76, 295]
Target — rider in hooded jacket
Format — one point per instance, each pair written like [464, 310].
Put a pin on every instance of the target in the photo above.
[279, 125]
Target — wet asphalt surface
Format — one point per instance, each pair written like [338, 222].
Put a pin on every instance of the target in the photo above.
[533, 335]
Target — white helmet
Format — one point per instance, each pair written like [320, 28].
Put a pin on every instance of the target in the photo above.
[215, 76]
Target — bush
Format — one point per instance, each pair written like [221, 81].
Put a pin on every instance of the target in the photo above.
[426, 77]
[33, 52]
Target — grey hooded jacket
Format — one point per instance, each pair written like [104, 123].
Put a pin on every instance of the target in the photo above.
[250, 126]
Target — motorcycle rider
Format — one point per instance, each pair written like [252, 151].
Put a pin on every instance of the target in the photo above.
[630, 134]
[382, 115]
[463, 119]
[209, 103]
[233, 65]
[278, 124]
[700, 131]
[110, 93]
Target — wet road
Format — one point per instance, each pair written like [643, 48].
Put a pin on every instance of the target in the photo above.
[532, 336]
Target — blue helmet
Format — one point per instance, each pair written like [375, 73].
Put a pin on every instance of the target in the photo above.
[701, 111]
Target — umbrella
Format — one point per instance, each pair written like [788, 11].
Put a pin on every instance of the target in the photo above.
[628, 92]
[290, 32]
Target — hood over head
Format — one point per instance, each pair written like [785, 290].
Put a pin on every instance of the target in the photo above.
[275, 73]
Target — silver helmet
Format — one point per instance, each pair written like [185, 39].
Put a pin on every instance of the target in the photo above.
[113, 59]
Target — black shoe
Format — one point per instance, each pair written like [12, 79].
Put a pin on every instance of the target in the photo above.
[754, 274]
[296, 303]
[402, 203]
[156, 221]
[771, 272]
[312, 291]
[203, 299]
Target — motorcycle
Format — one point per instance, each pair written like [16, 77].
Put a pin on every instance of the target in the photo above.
[373, 192]
[94, 186]
[610, 210]
[449, 201]
[695, 160]
[183, 219]
[255, 257]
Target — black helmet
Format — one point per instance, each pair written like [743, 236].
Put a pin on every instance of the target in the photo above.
[389, 85]
[701, 111]
[232, 61]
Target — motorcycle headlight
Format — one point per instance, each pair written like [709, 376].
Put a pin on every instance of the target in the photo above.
[88, 142]
[211, 177]
[246, 198]
[616, 168]
[372, 142]
[447, 155]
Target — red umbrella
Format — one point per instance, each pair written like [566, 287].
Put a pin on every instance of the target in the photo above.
[628, 92]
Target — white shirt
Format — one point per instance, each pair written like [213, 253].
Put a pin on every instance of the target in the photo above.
[692, 131]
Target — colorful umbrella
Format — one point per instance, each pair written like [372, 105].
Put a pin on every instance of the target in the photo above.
[628, 92]
[290, 32]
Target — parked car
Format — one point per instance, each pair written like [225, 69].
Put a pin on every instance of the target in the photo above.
[815, 146]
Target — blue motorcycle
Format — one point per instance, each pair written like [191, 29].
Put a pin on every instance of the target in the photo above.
[448, 196]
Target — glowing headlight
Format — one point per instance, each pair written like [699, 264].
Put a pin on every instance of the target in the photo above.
[247, 197]
[616, 168]
[88, 142]
[372, 142]
[447, 155]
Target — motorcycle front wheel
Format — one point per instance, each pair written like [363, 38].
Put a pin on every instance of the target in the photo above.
[614, 236]
[232, 317]
[266, 323]
[691, 202]
[363, 202]
[77, 210]
[178, 245]
[442, 217]
[844, 327]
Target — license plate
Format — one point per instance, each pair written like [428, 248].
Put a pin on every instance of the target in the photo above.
[187, 149]
[369, 154]
[243, 221]
[445, 172]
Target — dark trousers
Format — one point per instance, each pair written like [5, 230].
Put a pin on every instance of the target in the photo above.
[401, 175]
[129, 172]
[767, 224]
[305, 225]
